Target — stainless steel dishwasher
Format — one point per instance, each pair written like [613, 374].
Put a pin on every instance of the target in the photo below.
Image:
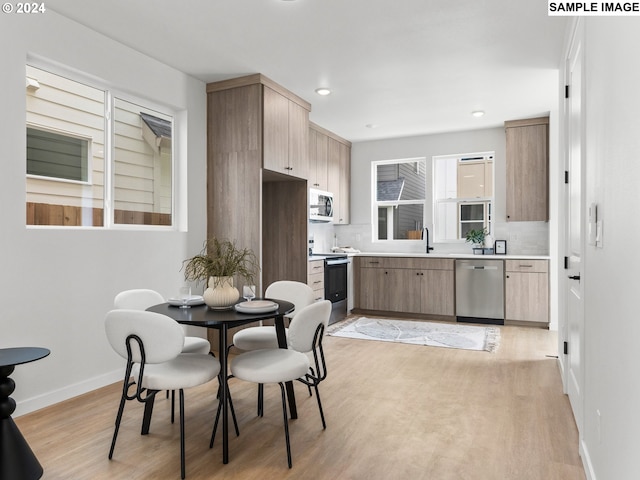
[480, 291]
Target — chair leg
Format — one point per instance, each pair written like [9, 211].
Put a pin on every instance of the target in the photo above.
[182, 467]
[324, 425]
[173, 404]
[117, 428]
[260, 400]
[286, 422]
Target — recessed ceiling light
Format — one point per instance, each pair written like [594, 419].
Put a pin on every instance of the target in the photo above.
[372, 125]
[478, 113]
[323, 91]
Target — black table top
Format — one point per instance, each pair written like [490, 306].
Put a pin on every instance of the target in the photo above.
[20, 355]
[203, 316]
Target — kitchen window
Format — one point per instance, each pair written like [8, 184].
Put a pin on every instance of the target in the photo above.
[462, 195]
[94, 158]
[399, 192]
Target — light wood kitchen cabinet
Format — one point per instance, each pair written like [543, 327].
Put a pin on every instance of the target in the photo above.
[332, 157]
[339, 179]
[315, 278]
[318, 151]
[406, 285]
[251, 121]
[286, 135]
[527, 291]
[527, 151]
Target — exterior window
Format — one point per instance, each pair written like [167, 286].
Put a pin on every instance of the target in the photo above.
[399, 203]
[83, 142]
[54, 155]
[463, 195]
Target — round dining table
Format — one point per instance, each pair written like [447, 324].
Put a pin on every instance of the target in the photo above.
[223, 320]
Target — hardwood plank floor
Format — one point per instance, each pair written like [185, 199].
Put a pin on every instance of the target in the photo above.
[392, 410]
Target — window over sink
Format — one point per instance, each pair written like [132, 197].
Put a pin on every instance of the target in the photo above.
[399, 196]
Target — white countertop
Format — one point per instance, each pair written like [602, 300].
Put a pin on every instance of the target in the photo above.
[453, 255]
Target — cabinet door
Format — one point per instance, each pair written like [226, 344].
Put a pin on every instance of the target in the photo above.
[344, 201]
[527, 173]
[333, 168]
[276, 131]
[527, 297]
[437, 292]
[374, 289]
[318, 145]
[298, 149]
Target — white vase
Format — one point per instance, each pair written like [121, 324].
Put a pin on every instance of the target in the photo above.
[221, 294]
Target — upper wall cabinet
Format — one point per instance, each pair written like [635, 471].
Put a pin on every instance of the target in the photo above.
[286, 135]
[318, 151]
[527, 169]
[330, 169]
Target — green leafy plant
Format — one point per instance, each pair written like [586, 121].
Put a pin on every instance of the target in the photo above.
[476, 237]
[221, 258]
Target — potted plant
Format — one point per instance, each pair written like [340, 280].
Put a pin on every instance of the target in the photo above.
[217, 264]
[476, 238]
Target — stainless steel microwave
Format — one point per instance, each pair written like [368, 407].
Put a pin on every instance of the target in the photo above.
[320, 206]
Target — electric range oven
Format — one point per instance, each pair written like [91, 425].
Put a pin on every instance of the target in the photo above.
[335, 284]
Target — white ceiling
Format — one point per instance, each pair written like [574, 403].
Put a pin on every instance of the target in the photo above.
[409, 66]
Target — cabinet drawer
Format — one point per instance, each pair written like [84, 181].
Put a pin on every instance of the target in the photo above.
[407, 262]
[315, 266]
[316, 281]
[533, 266]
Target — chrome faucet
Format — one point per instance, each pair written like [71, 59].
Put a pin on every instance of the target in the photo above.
[425, 235]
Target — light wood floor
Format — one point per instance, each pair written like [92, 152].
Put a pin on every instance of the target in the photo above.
[393, 411]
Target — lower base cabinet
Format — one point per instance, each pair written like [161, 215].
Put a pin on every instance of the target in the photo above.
[527, 291]
[395, 285]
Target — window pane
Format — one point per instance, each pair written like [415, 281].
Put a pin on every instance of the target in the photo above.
[143, 165]
[382, 223]
[405, 218]
[401, 181]
[466, 227]
[471, 212]
[54, 155]
[65, 151]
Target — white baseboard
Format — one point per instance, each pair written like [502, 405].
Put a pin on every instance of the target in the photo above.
[586, 462]
[36, 403]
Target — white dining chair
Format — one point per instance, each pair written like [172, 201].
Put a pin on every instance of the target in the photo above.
[152, 345]
[143, 298]
[258, 338]
[280, 365]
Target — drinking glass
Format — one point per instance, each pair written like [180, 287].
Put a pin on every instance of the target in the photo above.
[185, 295]
[249, 292]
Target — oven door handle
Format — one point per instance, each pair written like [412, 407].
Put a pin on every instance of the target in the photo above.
[342, 261]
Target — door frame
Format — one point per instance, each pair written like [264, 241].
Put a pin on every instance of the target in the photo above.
[576, 38]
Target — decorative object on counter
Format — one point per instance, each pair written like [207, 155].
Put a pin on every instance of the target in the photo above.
[217, 263]
[476, 239]
[466, 337]
[500, 247]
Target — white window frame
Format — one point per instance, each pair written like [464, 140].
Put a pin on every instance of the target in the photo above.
[111, 93]
[375, 204]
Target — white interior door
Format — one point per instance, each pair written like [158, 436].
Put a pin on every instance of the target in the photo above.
[574, 235]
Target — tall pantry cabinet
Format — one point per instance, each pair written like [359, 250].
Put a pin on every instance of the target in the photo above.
[257, 168]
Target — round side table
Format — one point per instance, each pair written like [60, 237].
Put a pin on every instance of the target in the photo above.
[16, 458]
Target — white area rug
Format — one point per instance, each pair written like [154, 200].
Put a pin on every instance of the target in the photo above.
[467, 337]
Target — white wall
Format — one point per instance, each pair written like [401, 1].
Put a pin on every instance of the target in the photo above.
[611, 281]
[522, 237]
[57, 285]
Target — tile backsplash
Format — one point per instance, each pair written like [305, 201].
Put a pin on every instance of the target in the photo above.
[523, 238]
